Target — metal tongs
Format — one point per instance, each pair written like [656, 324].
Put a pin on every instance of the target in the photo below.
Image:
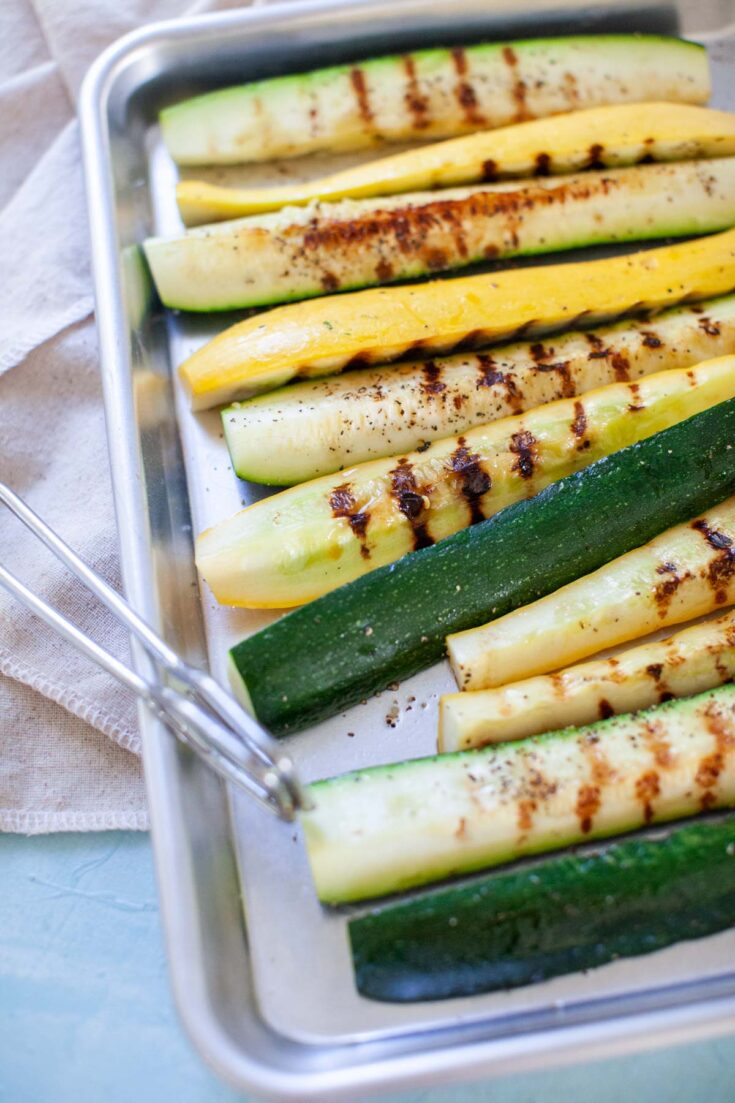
[189, 702]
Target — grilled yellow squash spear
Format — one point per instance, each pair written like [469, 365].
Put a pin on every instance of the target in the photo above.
[684, 573]
[323, 336]
[305, 541]
[314, 428]
[692, 661]
[618, 134]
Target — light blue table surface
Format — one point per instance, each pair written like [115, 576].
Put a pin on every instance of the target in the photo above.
[86, 1014]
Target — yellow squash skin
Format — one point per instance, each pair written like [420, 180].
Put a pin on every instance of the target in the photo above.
[617, 134]
[686, 572]
[323, 336]
[303, 542]
[690, 662]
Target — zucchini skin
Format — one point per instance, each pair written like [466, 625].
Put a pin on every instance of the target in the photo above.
[311, 429]
[388, 828]
[563, 144]
[326, 335]
[573, 912]
[431, 93]
[319, 659]
[300, 253]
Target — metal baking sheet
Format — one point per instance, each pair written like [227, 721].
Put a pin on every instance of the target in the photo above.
[275, 1007]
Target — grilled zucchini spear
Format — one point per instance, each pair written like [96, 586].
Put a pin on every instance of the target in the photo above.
[324, 336]
[389, 828]
[692, 661]
[622, 134]
[299, 253]
[310, 429]
[431, 94]
[303, 542]
[685, 572]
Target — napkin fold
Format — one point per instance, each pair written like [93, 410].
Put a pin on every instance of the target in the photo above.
[69, 744]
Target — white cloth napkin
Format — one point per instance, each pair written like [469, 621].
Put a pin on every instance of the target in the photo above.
[68, 734]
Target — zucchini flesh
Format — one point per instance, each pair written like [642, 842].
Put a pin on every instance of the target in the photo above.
[388, 828]
[572, 912]
[318, 660]
[430, 94]
[314, 428]
[299, 544]
[323, 336]
[566, 143]
[299, 253]
[692, 661]
[684, 573]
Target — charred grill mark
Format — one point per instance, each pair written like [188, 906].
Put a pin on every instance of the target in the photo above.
[417, 104]
[432, 383]
[650, 340]
[543, 164]
[489, 170]
[538, 352]
[709, 769]
[436, 259]
[722, 568]
[601, 772]
[522, 445]
[597, 347]
[329, 281]
[658, 745]
[464, 91]
[605, 709]
[342, 502]
[594, 156]
[579, 427]
[571, 91]
[712, 329]
[588, 804]
[489, 376]
[621, 367]
[359, 87]
[663, 594]
[526, 809]
[518, 88]
[384, 270]
[474, 480]
[410, 501]
[635, 403]
[647, 788]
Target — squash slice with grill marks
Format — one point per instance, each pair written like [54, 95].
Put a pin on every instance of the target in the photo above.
[433, 93]
[388, 828]
[314, 428]
[621, 134]
[306, 541]
[686, 572]
[694, 660]
[299, 253]
[323, 336]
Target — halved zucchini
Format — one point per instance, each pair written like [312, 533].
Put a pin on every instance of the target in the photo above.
[301, 543]
[692, 661]
[431, 94]
[388, 828]
[611, 136]
[301, 252]
[684, 573]
[314, 428]
[507, 929]
[324, 336]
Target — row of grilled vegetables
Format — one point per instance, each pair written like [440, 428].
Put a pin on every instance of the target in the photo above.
[536, 481]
